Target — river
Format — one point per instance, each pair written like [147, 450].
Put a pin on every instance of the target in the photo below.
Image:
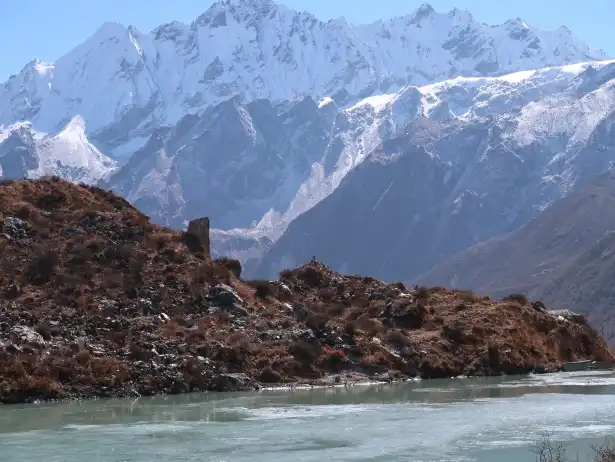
[486, 420]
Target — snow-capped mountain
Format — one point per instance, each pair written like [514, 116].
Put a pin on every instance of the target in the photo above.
[483, 157]
[258, 165]
[238, 162]
[255, 113]
[125, 84]
[26, 153]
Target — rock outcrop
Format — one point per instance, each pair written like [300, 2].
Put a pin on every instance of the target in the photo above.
[199, 231]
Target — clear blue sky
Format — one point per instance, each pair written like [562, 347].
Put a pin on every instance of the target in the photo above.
[46, 29]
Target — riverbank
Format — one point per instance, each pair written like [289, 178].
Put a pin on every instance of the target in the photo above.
[98, 302]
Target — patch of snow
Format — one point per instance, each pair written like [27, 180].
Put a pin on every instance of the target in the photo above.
[325, 102]
[377, 102]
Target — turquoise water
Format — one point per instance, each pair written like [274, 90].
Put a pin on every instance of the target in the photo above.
[440, 420]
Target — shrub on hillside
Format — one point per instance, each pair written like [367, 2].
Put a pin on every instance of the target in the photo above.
[517, 298]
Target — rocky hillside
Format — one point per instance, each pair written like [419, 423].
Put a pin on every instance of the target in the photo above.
[564, 257]
[96, 301]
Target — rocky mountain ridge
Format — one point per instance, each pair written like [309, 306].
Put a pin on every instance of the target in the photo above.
[125, 83]
[451, 182]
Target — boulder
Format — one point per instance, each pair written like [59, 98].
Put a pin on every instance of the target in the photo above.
[227, 299]
[234, 382]
[23, 335]
[15, 228]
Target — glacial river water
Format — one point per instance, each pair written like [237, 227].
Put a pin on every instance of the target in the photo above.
[487, 420]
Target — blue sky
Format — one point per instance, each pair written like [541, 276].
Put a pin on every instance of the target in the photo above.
[46, 29]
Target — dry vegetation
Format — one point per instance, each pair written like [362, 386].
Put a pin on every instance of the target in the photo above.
[547, 450]
[565, 256]
[96, 301]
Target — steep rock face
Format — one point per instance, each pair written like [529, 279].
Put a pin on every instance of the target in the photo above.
[501, 170]
[292, 155]
[236, 163]
[396, 213]
[17, 153]
[126, 83]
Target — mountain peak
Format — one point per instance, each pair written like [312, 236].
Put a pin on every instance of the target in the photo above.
[76, 125]
[251, 3]
[241, 10]
[250, 7]
[517, 22]
[425, 8]
[463, 15]
[564, 30]
[422, 12]
[110, 29]
[37, 66]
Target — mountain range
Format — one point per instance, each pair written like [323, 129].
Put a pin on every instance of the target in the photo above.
[504, 151]
[383, 149]
[125, 83]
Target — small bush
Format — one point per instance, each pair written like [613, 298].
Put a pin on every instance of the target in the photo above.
[350, 328]
[422, 293]
[333, 358]
[397, 337]
[605, 452]
[42, 267]
[286, 274]
[83, 357]
[335, 310]
[316, 321]
[468, 297]
[268, 375]
[305, 351]
[263, 289]
[517, 298]
[44, 330]
[493, 355]
[546, 450]
[311, 276]
[234, 266]
[453, 333]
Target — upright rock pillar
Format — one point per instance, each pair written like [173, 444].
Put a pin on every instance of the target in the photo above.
[198, 233]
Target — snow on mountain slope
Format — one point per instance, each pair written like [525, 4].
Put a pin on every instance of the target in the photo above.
[125, 83]
[255, 167]
[483, 170]
[235, 163]
[25, 153]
